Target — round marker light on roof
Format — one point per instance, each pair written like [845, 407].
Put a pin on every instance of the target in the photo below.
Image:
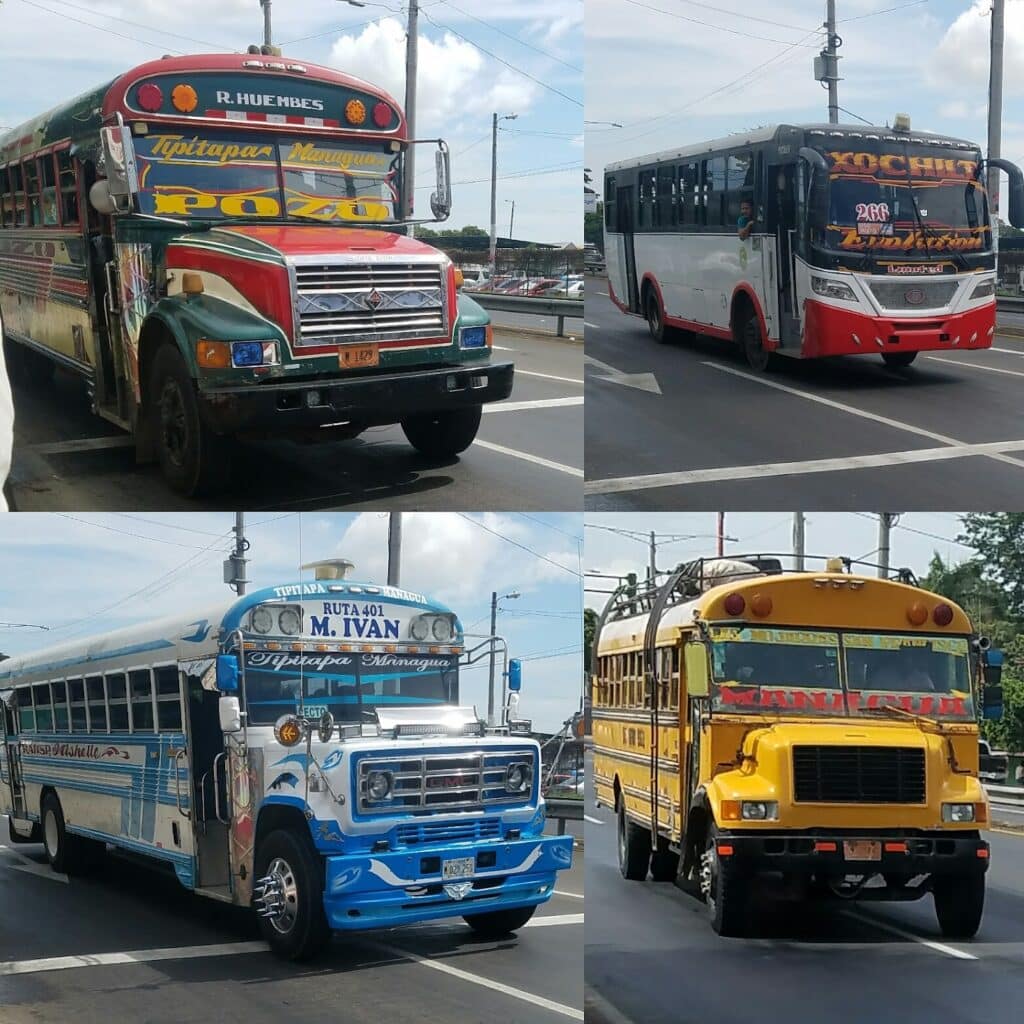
[917, 614]
[355, 112]
[382, 115]
[761, 604]
[734, 604]
[942, 615]
[287, 730]
[184, 98]
[151, 97]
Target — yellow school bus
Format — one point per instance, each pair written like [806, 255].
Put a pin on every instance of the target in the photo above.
[813, 732]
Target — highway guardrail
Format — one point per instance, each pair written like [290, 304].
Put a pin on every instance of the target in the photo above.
[1006, 794]
[536, 306]
[564, 809]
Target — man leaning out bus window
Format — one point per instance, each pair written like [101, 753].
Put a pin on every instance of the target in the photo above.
[747, 220]
[6, 424]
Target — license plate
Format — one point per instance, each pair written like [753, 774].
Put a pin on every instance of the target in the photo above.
[862, 849]
[358, 357]
[460, 868]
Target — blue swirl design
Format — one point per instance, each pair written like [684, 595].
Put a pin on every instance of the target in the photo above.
[333, 760]
[345, 878]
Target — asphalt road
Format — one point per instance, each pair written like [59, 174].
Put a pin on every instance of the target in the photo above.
[540, 324]
[652, 957]
[688, 425]
[528, 454]
[194, 960]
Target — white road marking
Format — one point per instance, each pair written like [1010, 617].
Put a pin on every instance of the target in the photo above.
[574, 895]
[556, 919]
[593, 821]
[85, 444]
[135, 956]
[538, 403]
[547, 376]
[496, 986]
[640, 381]
[977, 366]
[502, 348]
[587, 323]
[852, 410]
[1008, 351]
[30, 867]
[527, 457]
[617, 485]
[940, 947]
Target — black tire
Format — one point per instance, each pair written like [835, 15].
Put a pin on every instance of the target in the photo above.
[496, 924]
[959, 904]
[757, 356]
[194, 460]
[441, 435]
[898, 360]
[36, 835]
[655, 317]
[301, 931]
[634, 847]
[664, 863]
[63, 850]
[725, 890]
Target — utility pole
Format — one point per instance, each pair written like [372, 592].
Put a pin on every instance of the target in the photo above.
[494, 194]
[511, 219]
[995, 110]
[234, 564]
[826, 64]
[490, 674]
[654, 560]
[720, 549]
[394, 548]
[411, 58]
[798, 541]
[886, 521]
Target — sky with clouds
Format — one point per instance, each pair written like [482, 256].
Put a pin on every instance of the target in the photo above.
[688, 535]
[689, 71]
[84, 573]
[474, 58]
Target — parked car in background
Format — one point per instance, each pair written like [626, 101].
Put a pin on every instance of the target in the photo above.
[593, 261]
[993, 766]
[570, 290]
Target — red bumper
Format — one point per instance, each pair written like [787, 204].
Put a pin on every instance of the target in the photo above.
[829, 331]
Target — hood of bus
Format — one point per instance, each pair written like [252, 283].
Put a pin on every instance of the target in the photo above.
[327, 240]
[870, 774]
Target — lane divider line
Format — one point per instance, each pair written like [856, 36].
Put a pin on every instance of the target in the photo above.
[548, 376]
[134, 956]
[537, 403]
[551, 920]
[977, 366]
[527, 457]
[593, 821]
[574, 895]
[939, 947]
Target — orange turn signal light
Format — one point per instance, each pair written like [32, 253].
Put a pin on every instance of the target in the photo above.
[825, 846]
[761, 604]
[184, 98]
[917, 614]
[725, 850]
[895, 847]
[730, 810]
[213, 355]
[980, 812]
[355, 112]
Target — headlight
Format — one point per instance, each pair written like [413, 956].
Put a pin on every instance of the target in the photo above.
[759, 810]
[442, 629]
[832, 289]
[419, 628]
[958, 812]
[262, 620]
[290, 621]
[378, 785]
[517, 777]
[983, 289]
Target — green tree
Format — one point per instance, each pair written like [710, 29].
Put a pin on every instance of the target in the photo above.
[593, 232]
[1008, 732]
[984, 600]
[998, 537]
[589, 629]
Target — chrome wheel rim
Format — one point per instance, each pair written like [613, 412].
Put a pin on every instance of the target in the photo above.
[283, 879]
[707, 875]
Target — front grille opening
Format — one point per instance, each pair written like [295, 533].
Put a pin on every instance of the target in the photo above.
[430, 865]
[488, 883]
[858, 775]
[486, 859]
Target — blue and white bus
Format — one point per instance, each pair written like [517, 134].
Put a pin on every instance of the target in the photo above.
[300, 750]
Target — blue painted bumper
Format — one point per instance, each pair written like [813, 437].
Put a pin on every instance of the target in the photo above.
[402, 887]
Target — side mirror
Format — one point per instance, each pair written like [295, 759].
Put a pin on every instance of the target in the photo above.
[441, 199]
[515, 675]
[992, 693]
[119, 166]
[1013, 172]
[695, 661]
[230, 714]
[227, 673]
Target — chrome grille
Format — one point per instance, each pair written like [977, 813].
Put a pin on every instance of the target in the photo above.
[913, 294]
[458, 781]
[342, 303]
[858, 775]
[417, 832]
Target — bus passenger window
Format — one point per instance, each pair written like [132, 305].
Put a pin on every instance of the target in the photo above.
[142, 700]
[667, 196]
[714, 189]
[26, 713]
[6, 199]
[168, 699]
[688, 194]
[49, 191]
[68, 184]
[18, 190]
[739, 184]
[610, 205]
[43, 706]
[60, 706]
[76, 696]
[117, 698]
[31, 171]
[97, 703]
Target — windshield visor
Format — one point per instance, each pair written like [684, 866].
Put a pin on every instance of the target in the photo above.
[350, 686]
[215, 176]
[822, 673]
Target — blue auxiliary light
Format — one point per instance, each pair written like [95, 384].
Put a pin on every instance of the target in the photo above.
[247, 353]
[473, 337]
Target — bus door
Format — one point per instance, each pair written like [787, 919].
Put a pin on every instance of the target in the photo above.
[783, 222]
[626, 203]
[10, 762]
[208, 772]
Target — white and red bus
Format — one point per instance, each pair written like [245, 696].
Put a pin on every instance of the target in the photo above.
[864, 240]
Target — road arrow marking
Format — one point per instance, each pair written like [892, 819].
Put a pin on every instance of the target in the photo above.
[640, 381]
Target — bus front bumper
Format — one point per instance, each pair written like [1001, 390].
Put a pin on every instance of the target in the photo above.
[381, 890]
[831, 331]
[377, 399]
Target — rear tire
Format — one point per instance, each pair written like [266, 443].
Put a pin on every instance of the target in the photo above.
[495, 924]
[757, 356]
[442, 435]
[655, 317]
[898, 360]
[634, 847]
[959, 904]
[63, 850]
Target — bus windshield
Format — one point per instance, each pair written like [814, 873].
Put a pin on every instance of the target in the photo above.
[812, 672]
[350, 686]
[222, 175]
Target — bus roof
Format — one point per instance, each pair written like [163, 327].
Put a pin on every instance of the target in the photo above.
[828, 600]
[769, 133]
[80, 118]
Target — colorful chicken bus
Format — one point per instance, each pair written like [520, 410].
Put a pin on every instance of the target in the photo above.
[856, 240]
[808, 735]
[300, 750]
[211, 244]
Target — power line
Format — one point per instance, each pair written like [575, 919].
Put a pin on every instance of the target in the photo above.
[526, 131]
[742, 15]
[338, 28]
[554, 169]
[515, 543]
[102, 28]
[717, 28]
[540, 522]
[127, 533]
[887, 10]
[158, 522]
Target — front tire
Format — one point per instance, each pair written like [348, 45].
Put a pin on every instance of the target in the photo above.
[442, 435]
[898, 360]
[724, 888]
[496, 924]
[634, 847]
[293, 875]
[959, 904]
[193, 459]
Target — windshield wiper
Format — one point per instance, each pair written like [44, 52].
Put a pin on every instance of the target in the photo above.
[892, 709]
[925, 231]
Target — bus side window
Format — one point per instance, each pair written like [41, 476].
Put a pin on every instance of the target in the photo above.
[44, 707]
[739, 185]
[688, 194]
[76, 697]
[714, 189]
[610, 204]
[667, 196]
[6, 199]
[142, 700]
[168, 698]
[60, 705]
[67, 174]
[31, 171]
[48, 183]
[26, 713]
[97, 704]
[18, 191]
[647, 198]
[117, 701]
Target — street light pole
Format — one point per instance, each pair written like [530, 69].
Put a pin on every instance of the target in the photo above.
[494, 626]
[411, 60]
[494, 185]
[512, 217]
